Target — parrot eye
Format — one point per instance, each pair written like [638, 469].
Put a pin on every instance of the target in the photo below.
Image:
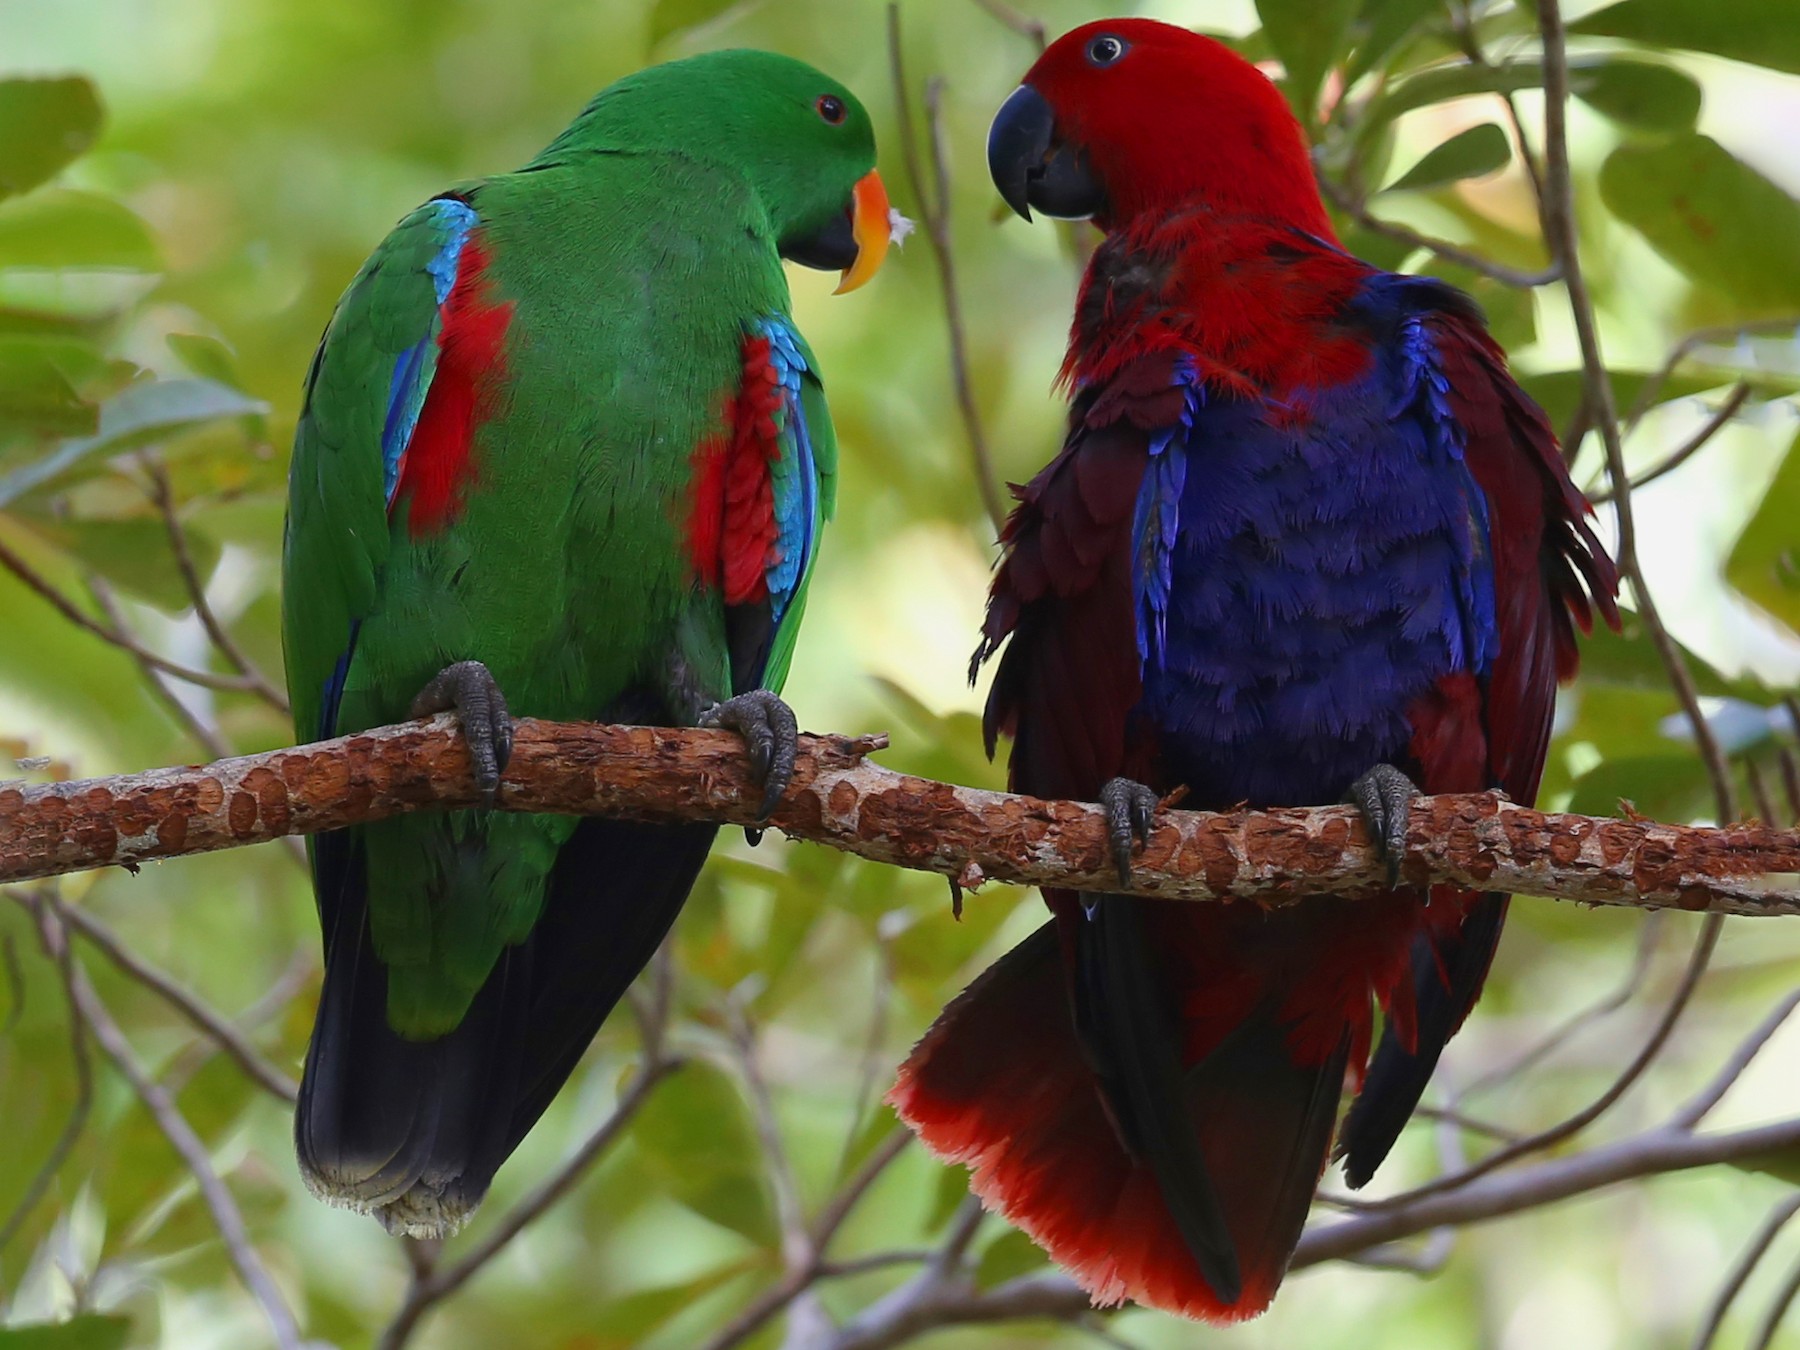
[831, 108]
[1105, 49]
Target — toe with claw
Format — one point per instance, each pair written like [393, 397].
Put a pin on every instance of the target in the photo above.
[1130, 807]
[469, 690]
[1384, 796]
[771, 736]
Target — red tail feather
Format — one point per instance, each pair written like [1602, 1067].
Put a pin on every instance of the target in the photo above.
[1000, 1083]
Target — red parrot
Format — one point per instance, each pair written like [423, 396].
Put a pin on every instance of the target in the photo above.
[1306, 541]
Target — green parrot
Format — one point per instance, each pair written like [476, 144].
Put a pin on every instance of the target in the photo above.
[562, 454]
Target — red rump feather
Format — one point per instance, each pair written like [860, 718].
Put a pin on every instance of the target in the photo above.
[731, 529]
[471, 370]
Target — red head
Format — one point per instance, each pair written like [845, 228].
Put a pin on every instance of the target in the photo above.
[1126, 117]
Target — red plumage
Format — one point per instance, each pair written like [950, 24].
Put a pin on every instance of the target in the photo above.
[471, 369]
[731, 528]
[1202, 1087]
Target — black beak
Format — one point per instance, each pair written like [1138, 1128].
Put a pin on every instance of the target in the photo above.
[829, 250]
[1031, 167]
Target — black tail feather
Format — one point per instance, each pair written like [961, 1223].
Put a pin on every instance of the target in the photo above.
[1131, 1032]
[415, 1130]
[1447, 979]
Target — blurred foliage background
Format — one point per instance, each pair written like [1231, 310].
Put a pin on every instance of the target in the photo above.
[186, 186]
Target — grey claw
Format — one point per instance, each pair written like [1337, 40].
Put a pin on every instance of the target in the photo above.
[470, 691]
[771, 739]
[1130, 807]
[1384, 796]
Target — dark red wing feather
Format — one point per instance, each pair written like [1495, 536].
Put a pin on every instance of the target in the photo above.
[1069, 675]
[1547, 561]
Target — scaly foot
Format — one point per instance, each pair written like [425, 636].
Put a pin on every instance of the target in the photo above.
[771, 736]
[468, 690]
[1384, 796]
[1129, 807]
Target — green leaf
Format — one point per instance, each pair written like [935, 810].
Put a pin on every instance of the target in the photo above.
[1007, 1257]
[1598, 75]
[695, 1134]
[44, 124]
[36, 396]
[1558, 392]
[1308, 36]
[134, 554]
[677, 16]
[1761, 32]
[1644, 95]
[1382, 26]
[87, 1332]
[1765, 564]
[1659, 783]
[1712, 216]
[1629, 660]
[1439, 84]
[140, 413]
[207, 357]
[1474, 153]
[1781, 1163]
[60, 228]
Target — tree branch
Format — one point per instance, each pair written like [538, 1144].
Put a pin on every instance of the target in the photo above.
[1478, 840]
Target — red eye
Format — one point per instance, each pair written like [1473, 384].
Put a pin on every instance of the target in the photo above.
[831, 108]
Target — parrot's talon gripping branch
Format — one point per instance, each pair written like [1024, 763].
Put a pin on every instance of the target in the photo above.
[1384, 796]
[471, 692]
[771, 737]
[1130, 807]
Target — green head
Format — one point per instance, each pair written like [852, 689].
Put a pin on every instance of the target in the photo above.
[803, 140]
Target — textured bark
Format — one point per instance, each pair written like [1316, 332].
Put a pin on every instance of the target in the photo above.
[840, 799]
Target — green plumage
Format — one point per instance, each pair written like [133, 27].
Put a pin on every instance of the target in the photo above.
[635, 254]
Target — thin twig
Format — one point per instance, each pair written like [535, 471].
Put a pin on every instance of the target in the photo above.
[1559, 220]
[874, 1059]
[1790, 777]
[208, 1021]
[796, 1280]
[163, 496]
[1693, 342]
[193, 1152]
[1741, 1271]
[1691, 446]
[832, 1217]
[934, 212]
[1784, 1299]
[796, 1241]
[1697, 1107]
[35, 581]
[1354, 207]
[203, 733]
[1017, 20]
[862, 1265]
[1649, 932]
[56, 943]
[1762, 802]
[295, 977]
[1573, 1125]
[440, 1281]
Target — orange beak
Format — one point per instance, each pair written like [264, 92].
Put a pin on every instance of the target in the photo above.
[870, 228]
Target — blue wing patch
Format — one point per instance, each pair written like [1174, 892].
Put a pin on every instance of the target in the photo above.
[1425, 391]
[1157, 518]
[415, 366]
[794, 474]
[410, 382]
